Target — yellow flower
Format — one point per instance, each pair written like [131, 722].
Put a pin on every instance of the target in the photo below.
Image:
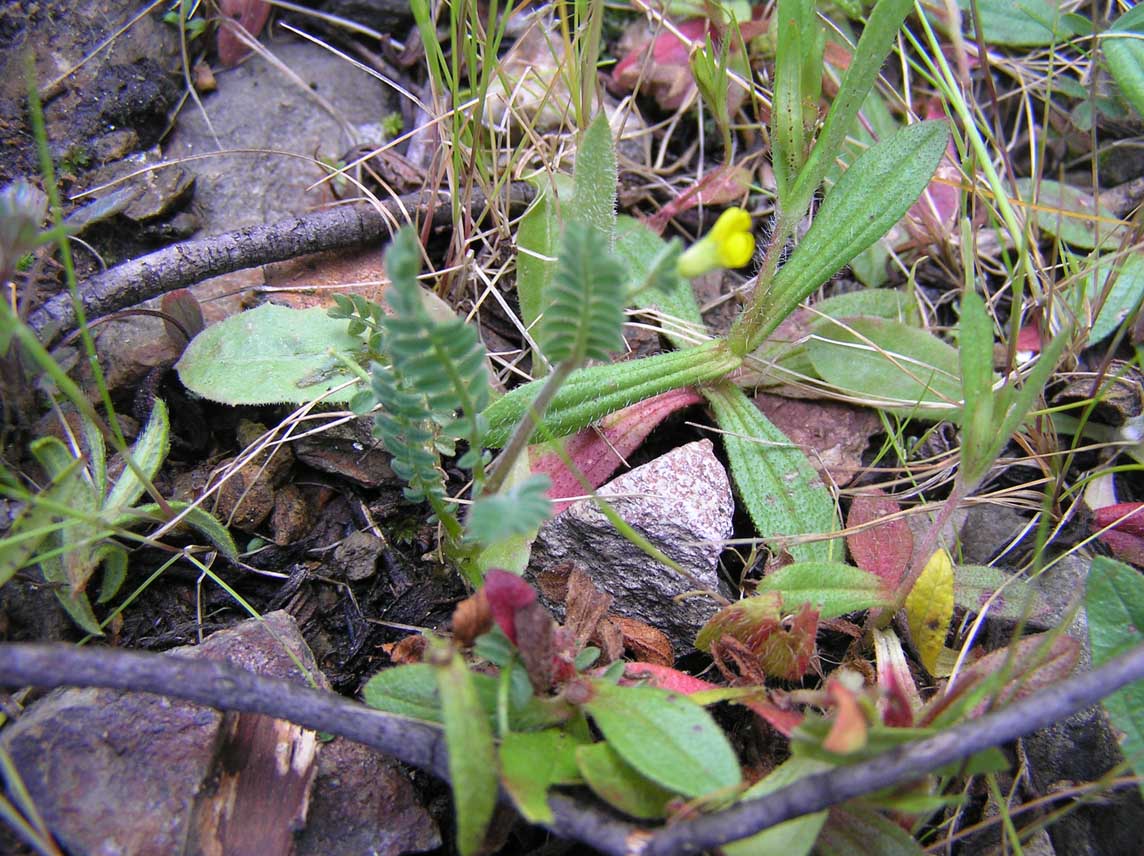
[729, 244]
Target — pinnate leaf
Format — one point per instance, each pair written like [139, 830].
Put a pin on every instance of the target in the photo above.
[585, 314]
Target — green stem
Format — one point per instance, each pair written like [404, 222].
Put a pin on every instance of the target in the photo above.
[592, 393]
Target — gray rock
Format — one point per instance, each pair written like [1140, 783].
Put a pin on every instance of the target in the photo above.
[257, 107]
[682, 503]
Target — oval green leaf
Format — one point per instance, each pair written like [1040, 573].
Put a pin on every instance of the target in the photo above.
[830, 587]
[665, 737]
[619, 784]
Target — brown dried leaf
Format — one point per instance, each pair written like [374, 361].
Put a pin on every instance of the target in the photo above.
[609, 638]
[471, 618]
[411, 649]
[644, 642]
[536, 645]
[834, 435]
[586, 605]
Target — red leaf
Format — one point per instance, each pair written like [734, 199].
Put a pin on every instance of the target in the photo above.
[507, 593]
[885, 548]
[1122, 517]
[782, 721]
[721, 186]
[848, 733]
[1125, 546]
[666, 678]
[251, 15]
[597, 452]
[786, 652]
[1029, 339]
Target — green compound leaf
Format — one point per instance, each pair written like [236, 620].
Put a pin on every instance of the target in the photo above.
[620, 785]
[781, 491]
[270, 355]
[517, 510]
[472, 756]
[899, 367]
[665, 737]
[585, 316]
[832, 588]
[1114, 601]
[1124, 50]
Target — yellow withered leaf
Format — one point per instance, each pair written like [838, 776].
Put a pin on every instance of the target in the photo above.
[929, 608]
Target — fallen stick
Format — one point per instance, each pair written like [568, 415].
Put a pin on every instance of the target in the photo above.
[420, 744]
[184, 264]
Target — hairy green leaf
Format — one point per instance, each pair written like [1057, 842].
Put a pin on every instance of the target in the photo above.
[1114, 602]
[868, 200]
[149, 452]
[832, 588]
[665, 737]
[620, 785]
[781, 491]
[975, 348]
[593, 202]
[531, 763]
[1009, 597]
[1124, 49]
[1071, 214]
[1116, 302]
[585, 315]
[893, 365]
[472, 756]
[869, 55]
[270, 355]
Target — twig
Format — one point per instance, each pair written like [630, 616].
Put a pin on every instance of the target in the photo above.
[225, 687]
[184, 264]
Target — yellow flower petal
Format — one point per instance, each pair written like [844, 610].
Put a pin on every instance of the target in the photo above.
[736, 250]
[729, 244]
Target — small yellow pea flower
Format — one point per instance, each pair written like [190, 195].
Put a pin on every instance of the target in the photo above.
[729, 244]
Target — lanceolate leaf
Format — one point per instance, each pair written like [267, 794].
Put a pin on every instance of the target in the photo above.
[868, 200]
[665, 737]
[594, 392]
[149, 452]
[893, 365]
[830, 587]
[780, 490]
[884, 548]
[472, 757]
[929, 608]
[1124, 51]
[594, 201]
[1114, 600]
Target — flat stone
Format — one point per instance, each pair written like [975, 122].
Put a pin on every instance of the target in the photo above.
[682, 503]
[134, 773]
